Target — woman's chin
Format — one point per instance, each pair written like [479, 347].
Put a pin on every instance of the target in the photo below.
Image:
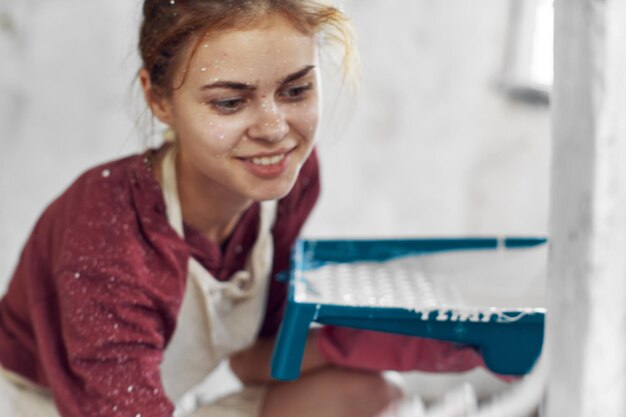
[269, 192]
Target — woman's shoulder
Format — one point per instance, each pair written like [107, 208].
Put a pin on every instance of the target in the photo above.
[112, 185]
[111, 176]
[113, 208]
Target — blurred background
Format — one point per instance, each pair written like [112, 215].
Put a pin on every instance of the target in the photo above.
[450, 131]
[448, 134]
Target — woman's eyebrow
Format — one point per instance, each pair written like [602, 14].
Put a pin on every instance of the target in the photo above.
[240, 86]
[296, 75]
[232, 85]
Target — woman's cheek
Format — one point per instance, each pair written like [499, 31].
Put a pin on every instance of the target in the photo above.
[309, 116]
[219, 136]
[302, 114]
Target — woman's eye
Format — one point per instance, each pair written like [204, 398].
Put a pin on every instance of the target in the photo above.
[297, 92]
[230, 105]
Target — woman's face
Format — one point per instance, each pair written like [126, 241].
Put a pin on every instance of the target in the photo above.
[247, 111]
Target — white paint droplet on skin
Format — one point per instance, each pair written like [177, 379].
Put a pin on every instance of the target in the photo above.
[77, 275]
[106, 173]
[203, 69]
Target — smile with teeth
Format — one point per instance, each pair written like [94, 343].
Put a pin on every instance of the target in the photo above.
[267, 160]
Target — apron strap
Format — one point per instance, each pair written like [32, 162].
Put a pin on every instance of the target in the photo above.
[170, 192]
[216, 318]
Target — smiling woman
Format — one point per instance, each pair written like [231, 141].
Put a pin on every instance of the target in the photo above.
[244, 127]
[149, 271]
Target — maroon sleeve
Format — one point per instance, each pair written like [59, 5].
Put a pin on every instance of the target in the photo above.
[365, 349]
[104, 305]
[293, 211]
[113, 339]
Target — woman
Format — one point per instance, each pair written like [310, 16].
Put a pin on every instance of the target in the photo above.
[150, 270]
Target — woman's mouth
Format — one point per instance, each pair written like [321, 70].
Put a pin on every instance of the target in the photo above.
[268, 166]
[267, 160]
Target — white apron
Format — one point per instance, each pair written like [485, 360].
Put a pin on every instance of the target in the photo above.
[217, 318]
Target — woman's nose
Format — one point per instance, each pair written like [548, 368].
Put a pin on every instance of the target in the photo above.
[270, 124]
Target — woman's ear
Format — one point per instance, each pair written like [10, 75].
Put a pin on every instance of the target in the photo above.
[158, 104]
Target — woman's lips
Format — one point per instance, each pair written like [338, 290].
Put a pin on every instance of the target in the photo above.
[267, 166]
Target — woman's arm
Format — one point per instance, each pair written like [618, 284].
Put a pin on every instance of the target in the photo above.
[253, 364]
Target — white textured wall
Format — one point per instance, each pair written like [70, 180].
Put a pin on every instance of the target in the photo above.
[432, 149]
[66, 68]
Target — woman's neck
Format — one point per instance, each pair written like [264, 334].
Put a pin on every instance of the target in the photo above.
[205, 205]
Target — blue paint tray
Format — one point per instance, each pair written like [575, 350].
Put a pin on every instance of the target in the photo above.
[485, 292]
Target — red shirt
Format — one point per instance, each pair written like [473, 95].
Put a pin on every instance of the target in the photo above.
[95, 296]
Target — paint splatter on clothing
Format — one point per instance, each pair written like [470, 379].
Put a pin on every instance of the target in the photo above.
[94, 299]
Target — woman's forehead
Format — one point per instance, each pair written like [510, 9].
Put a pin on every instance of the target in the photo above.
[256, 53]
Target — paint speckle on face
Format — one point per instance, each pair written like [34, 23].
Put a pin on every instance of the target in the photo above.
[247, 121]
[106, 173]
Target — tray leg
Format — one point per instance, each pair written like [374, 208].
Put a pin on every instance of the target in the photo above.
[289, 347]
[508, 353]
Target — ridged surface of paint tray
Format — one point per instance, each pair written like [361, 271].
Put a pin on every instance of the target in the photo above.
[487, 292]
